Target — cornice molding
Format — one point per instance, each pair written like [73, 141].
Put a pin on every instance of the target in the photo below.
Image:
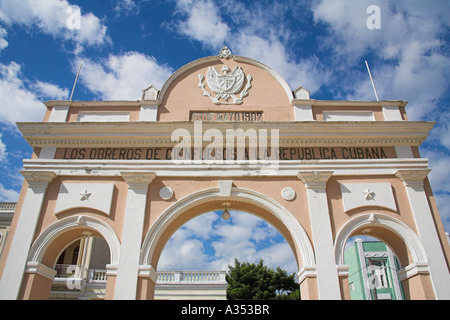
[111, 103]
[285, 126]
[137, 103]
[77, 143]
[351, 103]
[312, 133]
[168, 168]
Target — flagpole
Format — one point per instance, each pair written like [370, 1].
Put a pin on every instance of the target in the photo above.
[371, 79]
[75, 83]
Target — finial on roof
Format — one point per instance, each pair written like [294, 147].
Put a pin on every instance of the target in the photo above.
[225, 53]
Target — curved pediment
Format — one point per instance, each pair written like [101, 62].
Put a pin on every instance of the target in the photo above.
[224, 83]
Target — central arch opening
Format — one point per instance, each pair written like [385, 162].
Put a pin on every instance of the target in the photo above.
[209, 242]
[211, 200]
[201, 250]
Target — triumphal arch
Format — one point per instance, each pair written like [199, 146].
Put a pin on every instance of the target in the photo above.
[225, 133]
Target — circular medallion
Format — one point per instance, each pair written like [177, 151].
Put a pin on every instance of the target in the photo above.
[166, 193]
[288, 194]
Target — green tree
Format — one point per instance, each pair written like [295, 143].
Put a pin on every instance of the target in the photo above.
[250, 281]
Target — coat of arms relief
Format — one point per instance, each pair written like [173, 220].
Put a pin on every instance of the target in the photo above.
[226, 84]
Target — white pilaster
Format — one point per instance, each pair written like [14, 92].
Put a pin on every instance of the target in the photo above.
[148, 113]
[392, 113]
[327, 275]
[23, 237]
[403, 152]
[59, 114]
[130, 248]
[394, 273]
[362, 263]
[413, 182]
[303, 112]
[47, 153]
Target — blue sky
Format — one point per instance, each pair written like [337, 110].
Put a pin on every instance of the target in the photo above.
[209, 242]
[126, 45]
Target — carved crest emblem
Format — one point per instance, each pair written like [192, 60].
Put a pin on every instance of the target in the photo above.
[225, 84]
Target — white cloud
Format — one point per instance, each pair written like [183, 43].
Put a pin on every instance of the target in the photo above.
[3, 153]
[409, 61]
[10, 165]
[279, 255]
[255, 32]
[3, 42]
[21, 97]
[401, 22]
[440, 173]
[307, 72]
[203, 22]
[8, 195]
[444, 131]
[210, 243]
[122, 77]
[249, 238]
[184, 250]
[125, 7]
[202, 226]
[347, 21]
[45, 89]
[183, 255]
[439, 177]
[51, 17]
[442, 201]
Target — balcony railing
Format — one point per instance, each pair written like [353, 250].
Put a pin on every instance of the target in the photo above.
[97, 276]
[191, 277]
[70, 271]
[164, 277]
[7, 206]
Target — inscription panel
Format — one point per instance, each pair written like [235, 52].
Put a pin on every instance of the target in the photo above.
[284, 153]
[238, 116]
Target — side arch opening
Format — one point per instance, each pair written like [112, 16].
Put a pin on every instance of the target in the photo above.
[402, 241]
[88, 242]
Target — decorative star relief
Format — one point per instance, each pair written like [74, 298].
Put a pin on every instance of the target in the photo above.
[369, 195]
[85, 195]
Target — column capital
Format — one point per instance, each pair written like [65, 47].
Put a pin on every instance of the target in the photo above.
[38, 179]
[147, 271]
[138, 180]
[315, 179]
[36, 267]
[307, 272]
[412, 177]
[111, 270]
